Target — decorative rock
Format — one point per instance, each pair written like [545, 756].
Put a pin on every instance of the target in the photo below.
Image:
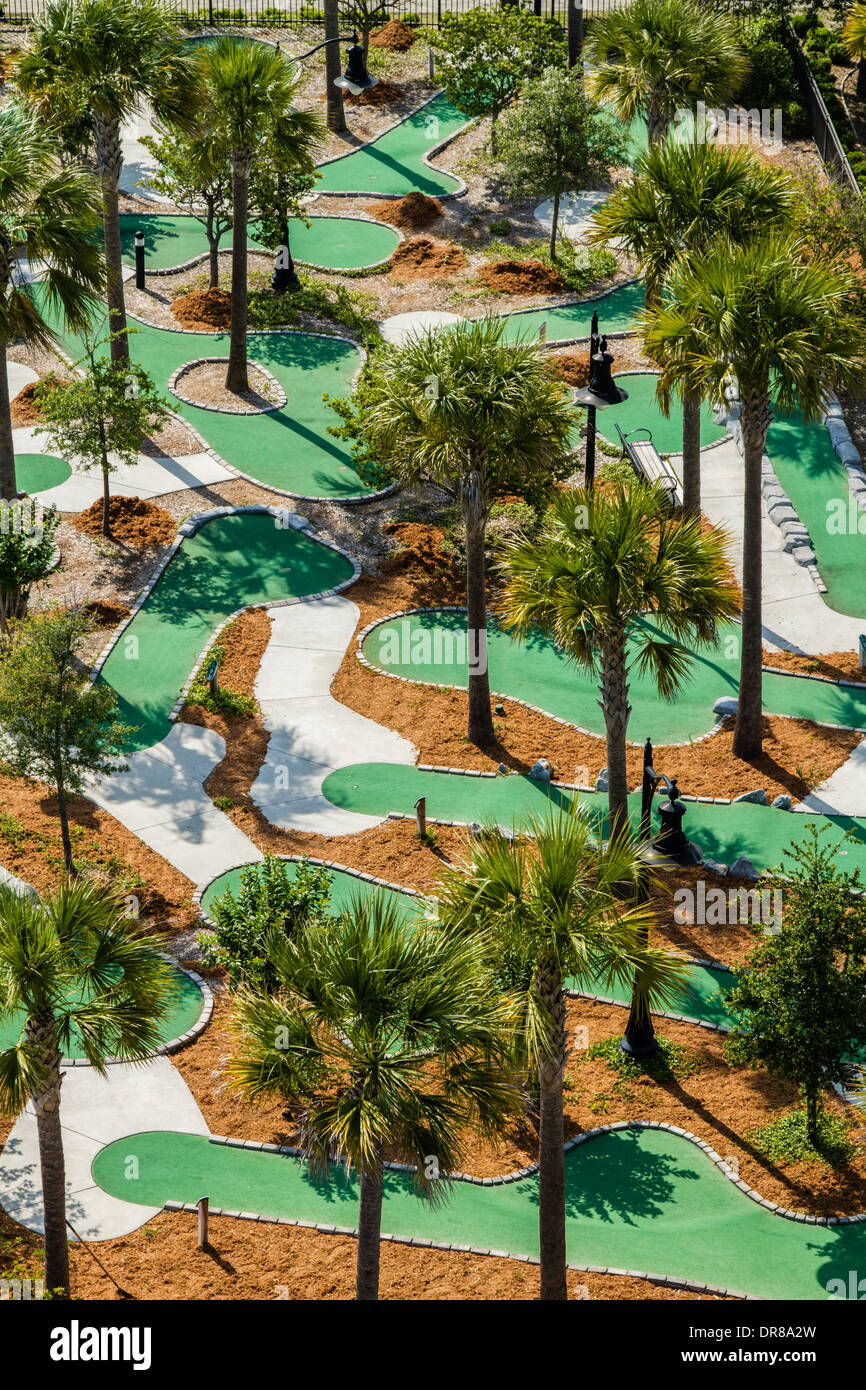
[476, 829]
[541, 770]
[743, 868]
[601, 784]
[714, 867]
[502, 768]
[782, 802]
[727, 704]
[758, 797]
[803, 554]
[848, 452]
[498, 709]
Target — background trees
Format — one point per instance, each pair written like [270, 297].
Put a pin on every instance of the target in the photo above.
[26, 555]
[195, 172]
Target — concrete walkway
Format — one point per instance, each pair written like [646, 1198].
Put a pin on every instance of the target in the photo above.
[96, 1111]
[311, 733]
[844, 791]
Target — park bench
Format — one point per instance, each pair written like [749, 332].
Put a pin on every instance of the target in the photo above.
[646, 460]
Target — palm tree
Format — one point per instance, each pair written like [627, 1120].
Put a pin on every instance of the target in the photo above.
[854, 35]
[387, 1038]
[473, 413]
[71, 966]
[114, 55]
[548, 905]
[653, 58]
[48, 214]
[782, 327]
[250, 88]
[607, 560]
[682, 198]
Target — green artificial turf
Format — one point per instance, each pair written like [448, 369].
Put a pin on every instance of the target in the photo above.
[335, 243]
[638, 1199]
[40, 472]
[393, 164]
[231, 562]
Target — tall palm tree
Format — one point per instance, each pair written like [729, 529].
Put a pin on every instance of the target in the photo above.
[607, 560]
[48, 214]
[470, 411]
[549, 910]
[682, 198]
[71, 966]
[250, 88]
[387, 1038]
[653, 58]
[854, 35]
[784, 328]
[114, 55]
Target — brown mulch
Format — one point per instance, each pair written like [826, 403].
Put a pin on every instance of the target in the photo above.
[412, 212]
[573, 367]
[421, 258]
[394, 35]
[25, 408]
[383, 94]
[132, 520]
[521, 277]
[206, 309]
[107, 612]
[205, 385]
[836, 666]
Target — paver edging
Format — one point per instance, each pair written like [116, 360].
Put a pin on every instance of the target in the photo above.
[185, 367]
[173, 1044]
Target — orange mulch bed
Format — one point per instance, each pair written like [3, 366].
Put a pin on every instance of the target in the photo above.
[422, 258]
[412, 212]
[520, 277]
[836, 666]
[383, 94]
[394, 35]
[25, 408]
[205, 309]
[573, 367]
[132, 520]
[106, 612]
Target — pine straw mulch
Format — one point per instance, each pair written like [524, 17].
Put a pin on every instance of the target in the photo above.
[836, 666]
[203, 309]
[421, 257]
[521, 277]
[132, 521]
[412, 212]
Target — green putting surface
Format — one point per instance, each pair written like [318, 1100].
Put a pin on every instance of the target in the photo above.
[39, 472]
[616, 314]
[229, 563]
[635, 1199]
[700, 996]
[335, 243]
[723, 832]
[431, 647]
[183, 1013]
[393, 164]
[642, 411]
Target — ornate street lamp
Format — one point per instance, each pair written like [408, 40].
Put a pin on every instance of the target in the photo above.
[601, 392]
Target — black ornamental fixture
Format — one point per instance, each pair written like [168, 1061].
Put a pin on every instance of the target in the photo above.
[601, 392]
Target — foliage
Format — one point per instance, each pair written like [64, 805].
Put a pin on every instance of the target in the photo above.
[800, 1002]
[277, 185]
[346, 308]
[786, 1140]
[579, 266]
[222, 700]
[270, 902]
[672, 1062]
[831, 220]
[26, 553]
[194, 171]
[772, 79]
[483, 56]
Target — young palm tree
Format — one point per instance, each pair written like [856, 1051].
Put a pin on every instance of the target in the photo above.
[549, 909]
[470, 411]
[48, 214]
[655, 57]
[250, 88]
[854, 34]
[387, 1037]
[784, 328]
[114, 55]
[71, 965]
[607, 560]
[682, 198]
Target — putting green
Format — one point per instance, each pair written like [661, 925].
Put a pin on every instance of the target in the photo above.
[700, 995]
[332, 243]
[642, 411]
[183, 1013]
[564, 322]
[636, 1199]
[394, 164]
[723, 832]
[229, 563]
[40, 472]
[430, 647]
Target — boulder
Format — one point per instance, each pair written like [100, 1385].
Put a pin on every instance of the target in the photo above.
[727, 704]
[743, 868]
[782, 802]
[758, 797]
[541, 770]
[714, 867]
[601, 781]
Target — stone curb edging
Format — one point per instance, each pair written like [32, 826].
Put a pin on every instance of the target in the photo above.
[426, 158]
[174, 1044]
[186, 367]
[359, 271]
[833, 419]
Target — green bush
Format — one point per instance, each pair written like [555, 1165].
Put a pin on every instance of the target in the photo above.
[785, 1140]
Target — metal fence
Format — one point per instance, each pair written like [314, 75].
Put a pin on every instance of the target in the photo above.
[298, 13]
[824, 131]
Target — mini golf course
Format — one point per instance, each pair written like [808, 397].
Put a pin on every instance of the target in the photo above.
[230, 563]
[182, 1014]
[39, 472]
[329, 243]
[394, 163]
[636, 1199]
[430, 647]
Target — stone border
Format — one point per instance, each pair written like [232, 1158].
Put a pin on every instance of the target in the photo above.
[426, 157]
[174, 1044]
[188, 528]
[282, 398]
[833, 418]
[359, 271]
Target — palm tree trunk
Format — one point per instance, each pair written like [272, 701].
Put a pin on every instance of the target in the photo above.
[109, 157]
[691, 454]
[335, 118]
[237, 379]
[656, 123]
[212, 246]
[8, 480]
[551, 1136]
[748, 734]
[616, 710]
[474, 503]
[369, 1234]
[45, 1097]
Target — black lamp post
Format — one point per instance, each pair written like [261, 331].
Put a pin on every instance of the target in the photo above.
[601, 392]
